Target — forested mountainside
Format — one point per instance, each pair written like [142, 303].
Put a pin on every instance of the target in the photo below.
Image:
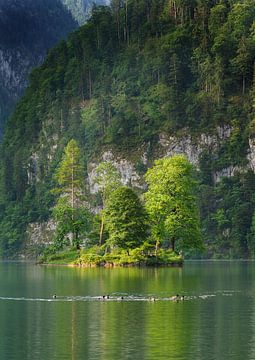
[143, 79]
[28, 30]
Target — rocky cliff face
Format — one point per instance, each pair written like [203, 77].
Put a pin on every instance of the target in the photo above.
[38, 236]
[15, 65]
[169, 145]
[81, 9]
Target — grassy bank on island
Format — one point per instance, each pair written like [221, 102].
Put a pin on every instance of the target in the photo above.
[98, 256]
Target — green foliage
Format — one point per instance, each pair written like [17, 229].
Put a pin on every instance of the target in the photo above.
[93, 238]
[73, 224]
[60, 258]
[69, 173]
[125, 77]
[251, 238]
[227, 213]
[172, 204]
[164, 257]
[91, 257]
[107, 179]
[125, 219]
[118, 257]
[13, 224]
[72, 217]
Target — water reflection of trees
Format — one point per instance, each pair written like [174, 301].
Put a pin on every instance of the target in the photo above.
[219, 327]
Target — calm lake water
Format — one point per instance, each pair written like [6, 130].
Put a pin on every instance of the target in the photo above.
[217, 321]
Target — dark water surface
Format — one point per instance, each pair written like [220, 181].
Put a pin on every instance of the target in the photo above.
[216, 321]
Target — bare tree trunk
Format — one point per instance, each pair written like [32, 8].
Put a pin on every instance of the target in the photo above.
[173, 245]
[98, 42]
[182, 16]
[72, 199]
[61, 121]
[109, 114]
[175, 10]
[101, 232]
[90, 85]
[175, 69]
[118, 21]
[218, 95]
[156, 247]
[126, 23]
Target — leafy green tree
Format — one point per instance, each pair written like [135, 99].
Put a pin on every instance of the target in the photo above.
[107, 179]
[172, 204]
[70, 213]
[74, 221]
[251, 238]
[126, 219]
[243, 61]
[69, 173]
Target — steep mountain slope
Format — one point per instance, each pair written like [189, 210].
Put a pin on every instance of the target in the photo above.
[140, 80]
[28, 30]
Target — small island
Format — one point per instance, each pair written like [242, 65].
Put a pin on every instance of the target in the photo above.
[153, 228]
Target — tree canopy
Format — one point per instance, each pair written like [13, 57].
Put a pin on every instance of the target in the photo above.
[126, 219]
[70, 211]
[107, 178]
[171, 203]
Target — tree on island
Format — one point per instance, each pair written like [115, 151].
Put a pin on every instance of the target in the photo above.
[171, 203]
[70, 213]
[126, 219]
[107, 179]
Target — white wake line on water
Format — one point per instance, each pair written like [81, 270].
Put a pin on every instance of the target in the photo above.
[126, 298]
[30, 299]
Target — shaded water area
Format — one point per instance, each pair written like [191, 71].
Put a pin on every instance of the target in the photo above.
[215, 321]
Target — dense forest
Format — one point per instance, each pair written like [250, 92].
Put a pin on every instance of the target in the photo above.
[135, 71]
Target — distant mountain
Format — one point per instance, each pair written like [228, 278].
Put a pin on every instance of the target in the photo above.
[28, 29]
[81, 9]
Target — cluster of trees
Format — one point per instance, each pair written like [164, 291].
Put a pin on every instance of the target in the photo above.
[167, 216]
[137, 69]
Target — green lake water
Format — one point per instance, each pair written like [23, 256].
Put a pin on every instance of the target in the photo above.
[216, 321]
